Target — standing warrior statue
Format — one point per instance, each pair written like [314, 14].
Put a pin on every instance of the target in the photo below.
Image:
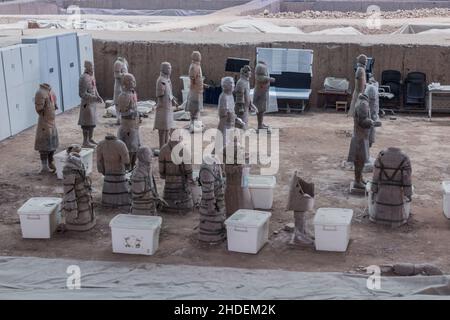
[120, 69]
[46, 133]
[195, 98]
[78, 206]
[362, 123]
[112, 159]
[88, 108]
[212, 206]
[243, 100]
[374, 106]
[360, 82]
[261, 94]
[227, 115]
[129, 127]
[164, 114]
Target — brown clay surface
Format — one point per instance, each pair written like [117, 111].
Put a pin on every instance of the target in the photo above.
[315, 143]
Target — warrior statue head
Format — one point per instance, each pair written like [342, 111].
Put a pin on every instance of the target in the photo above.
[227, 84]
[196, 57]
[362, 60]
[129, 81]
[144, 155]
[89, 67]
[166, 69]
[246, 72]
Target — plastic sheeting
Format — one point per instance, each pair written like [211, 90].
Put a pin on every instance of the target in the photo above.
[423, 28]
[256, 26]
[336, 84]
[338, 31]
[126, 12]
[36, 278]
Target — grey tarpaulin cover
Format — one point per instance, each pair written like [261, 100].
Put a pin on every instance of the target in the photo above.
[37, 278]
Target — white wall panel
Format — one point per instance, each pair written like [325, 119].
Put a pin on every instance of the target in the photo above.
[85, 49]
[5, 130]
[70, 69]
[48, 64]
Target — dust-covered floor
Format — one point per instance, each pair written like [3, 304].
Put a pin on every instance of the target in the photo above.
[315, 143]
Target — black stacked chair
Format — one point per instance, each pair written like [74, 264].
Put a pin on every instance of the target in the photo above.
[391, 82]
[415, 90]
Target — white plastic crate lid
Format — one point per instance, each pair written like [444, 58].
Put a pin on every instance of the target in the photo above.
[248, 218]
[446, 186]
[262, 182]
[84, 152]
[333, 217]
[39, 206]
[128, 221]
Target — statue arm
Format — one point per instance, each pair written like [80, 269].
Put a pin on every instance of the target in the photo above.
[100, 161]
[84, 93]
[39, 103]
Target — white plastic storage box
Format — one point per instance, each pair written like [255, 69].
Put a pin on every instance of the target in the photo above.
[39, 217]
[332, 229]
[446, 188]
[185, 93]
[133, 234]
[261, 188]
[248, 230]
[186, 83]
[87, 157]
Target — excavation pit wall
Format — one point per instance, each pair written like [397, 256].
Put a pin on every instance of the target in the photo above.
[332, 57]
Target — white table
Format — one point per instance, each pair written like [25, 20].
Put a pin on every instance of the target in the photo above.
[289, 94]
[435, 90]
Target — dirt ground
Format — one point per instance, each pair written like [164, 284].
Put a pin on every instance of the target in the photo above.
[315, 143]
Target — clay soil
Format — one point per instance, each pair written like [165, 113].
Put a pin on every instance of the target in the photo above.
[315, 143]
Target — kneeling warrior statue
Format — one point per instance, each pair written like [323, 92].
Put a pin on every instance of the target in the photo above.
[78, 206]
[144, 195]
[212, 206]
[112, 160]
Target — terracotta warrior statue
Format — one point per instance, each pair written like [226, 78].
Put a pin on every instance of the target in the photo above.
[227, 115]
[237, 193]
[112, 159]
[78, 206]
[360, 140]
[212, 206]
[144, 194]
[178, 180]
[164, 111]
[195, 98]
[300, 200]
[374, 106]
[128, 131]
[120, 69]
[243, 100]
[392, 188]
[46, 133]
[88, 108]
[261, 94]
[360, 82]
